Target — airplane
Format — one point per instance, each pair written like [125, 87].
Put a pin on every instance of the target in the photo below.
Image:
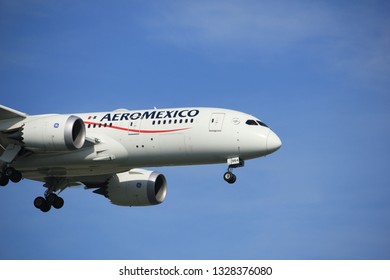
[107, 151]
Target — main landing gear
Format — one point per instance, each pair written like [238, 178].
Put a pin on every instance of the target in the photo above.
[9, 174]
[49, 200]
[45, 203]
[232, 163]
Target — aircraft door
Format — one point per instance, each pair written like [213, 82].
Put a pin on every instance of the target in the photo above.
[216, 122]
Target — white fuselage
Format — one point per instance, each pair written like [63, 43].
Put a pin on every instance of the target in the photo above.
[123, 139]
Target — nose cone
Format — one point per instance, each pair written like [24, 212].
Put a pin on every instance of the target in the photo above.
[273, 142]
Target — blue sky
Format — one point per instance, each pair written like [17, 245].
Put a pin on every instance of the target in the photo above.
[316, 71]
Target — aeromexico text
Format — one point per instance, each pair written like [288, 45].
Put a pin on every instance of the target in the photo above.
[153, 115]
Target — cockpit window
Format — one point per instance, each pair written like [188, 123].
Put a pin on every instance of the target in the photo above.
[262, 124]
[257, 122]
[251, 122]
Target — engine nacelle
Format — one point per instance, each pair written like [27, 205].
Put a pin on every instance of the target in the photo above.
[54, 133]
[137, 187]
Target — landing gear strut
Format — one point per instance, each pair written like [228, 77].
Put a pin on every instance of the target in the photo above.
[51, 199]
[232, 163]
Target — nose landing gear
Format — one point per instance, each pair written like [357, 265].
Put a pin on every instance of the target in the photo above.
[232, 163]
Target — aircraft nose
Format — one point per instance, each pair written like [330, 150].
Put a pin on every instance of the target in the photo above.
[273, 142]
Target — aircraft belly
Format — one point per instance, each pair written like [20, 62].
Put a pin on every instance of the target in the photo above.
[90, 161]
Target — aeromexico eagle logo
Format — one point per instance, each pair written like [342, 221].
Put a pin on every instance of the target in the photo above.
[145, 115]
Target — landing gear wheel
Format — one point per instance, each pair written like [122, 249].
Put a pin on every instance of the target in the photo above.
[9, 171]
[46, 207]
[42, 204]
[51, 198]
[227, 176]
[12, 174]
[16, 177]
[4, 180]
[39, 201]
[58, 203]
[55, 201]
[234, 179]
[230, 177]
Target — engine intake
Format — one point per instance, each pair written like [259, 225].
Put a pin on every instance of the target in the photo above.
[54, 133]
[137, 187]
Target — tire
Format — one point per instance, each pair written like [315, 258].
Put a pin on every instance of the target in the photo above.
[4, 180]
[51, 198]
[16, 177]
[9, 171]
[228, 176]
[39, 201]
[46, 207]
[42, 204]
[58, 203]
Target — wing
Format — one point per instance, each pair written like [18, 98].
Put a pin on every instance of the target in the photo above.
[8, 113]
[9, 128]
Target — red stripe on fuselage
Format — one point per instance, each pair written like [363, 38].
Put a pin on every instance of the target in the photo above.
[136, 130]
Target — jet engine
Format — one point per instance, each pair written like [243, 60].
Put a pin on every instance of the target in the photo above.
[137, 187]
[54, 133]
